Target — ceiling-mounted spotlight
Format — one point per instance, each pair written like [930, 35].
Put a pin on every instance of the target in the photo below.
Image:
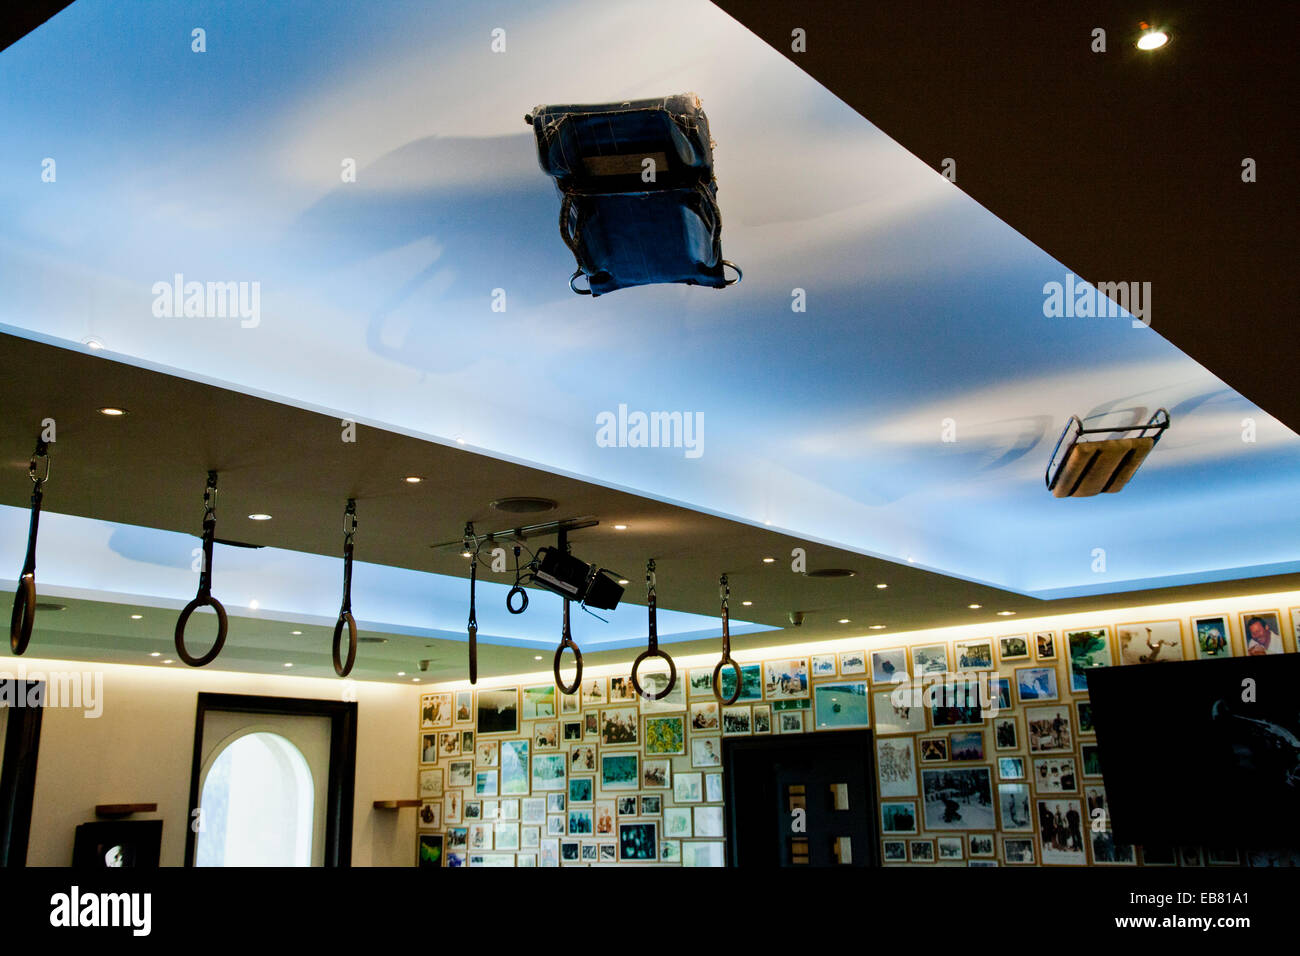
[796, 618]
[1151, 38]
[577, 580]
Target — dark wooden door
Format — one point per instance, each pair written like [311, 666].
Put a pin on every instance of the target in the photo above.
[801, 800]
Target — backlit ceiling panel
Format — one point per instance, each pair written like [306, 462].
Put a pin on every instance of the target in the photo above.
[885, 379]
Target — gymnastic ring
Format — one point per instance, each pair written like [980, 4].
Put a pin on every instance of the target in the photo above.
[672, 674]
[572, 278]
[577, 678]
[211, 655]
[24, 616]
[739, 275]
[343, 670]
[510, 599]
[717, 681]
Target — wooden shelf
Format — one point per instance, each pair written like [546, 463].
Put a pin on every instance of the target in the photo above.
[114, 810]
[396, 804]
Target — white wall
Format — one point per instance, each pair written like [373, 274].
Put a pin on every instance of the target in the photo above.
[140, 748]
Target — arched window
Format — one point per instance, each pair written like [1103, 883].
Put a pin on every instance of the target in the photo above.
[257, 805]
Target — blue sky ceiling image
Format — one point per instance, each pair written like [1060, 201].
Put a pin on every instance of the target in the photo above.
[883, 313]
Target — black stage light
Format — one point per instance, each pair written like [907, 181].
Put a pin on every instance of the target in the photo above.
[577, 580]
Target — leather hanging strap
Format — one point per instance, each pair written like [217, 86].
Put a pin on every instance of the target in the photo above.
[341, 667]
[652, 644]
[204, 597]
[24, 613]
[566, 640]
[724, 590]
[473, 620]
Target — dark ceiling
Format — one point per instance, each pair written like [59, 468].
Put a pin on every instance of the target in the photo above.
[1124, 166]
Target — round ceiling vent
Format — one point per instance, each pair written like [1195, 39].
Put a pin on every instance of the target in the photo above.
[523, 506]
[831, 573]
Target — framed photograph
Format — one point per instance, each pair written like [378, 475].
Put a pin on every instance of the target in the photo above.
[688, 787]
[1045, 645]
[485, 783]
[590, 852]
[784, 679]
[1088, 649]
[664, 735]
[571, 730]
[952, 848]
[1013, 807]
[1006, 733]
[1262, 633]
[533, 811]
[570, 705]
[591, 725]
[1090, 756]
[929, 659]
[467, 742]
[889, 665]
[896, 767]
[703, 854]
[677, 822]
[429, 816]
[431, 782]
[852, 662]
[1213, 637]
[751, 683]
[514, 767]
[550, 853]
[429, 748]
[713, 788]
[555, 802]
[460, 773]
[705, 716]
[1150, 642]
[670, 851]
[736, 721]
[762, 718]
[656, 773]
[582, 758]
[967, 744]
[898, 816]
[1000, 690]
[958, 798]
[505, 836]
[699, 682]
[980, 844]
[581, 822]
[894, 718]
[706, 752]
[498, 711]
[955, 704]
[974, 655]
[654, 682]
[621, 690]
[452, 806]
[435, 711]
[618, 726]
[581, 790]
[708, 821]
[570, 852]
[1036, 684]
[608, 853]
[620, 771]
[1048, 729]
[651, 805]
[627, 806]
[486, 753]
[604, 816]
[538, 701]
[934, 749]
[593, 691]
[549, 772]
[921, 851]
[1013, 648]
[841, 705]
[464, 707]
[822, 665]
[457, 838]
[638, 842]
[491, 811]
[894, 851]
[1055, 775]
[1011, 768]
[790, 722]
[473, 810]
[555, 825]
[1085, 727]
[1060, 827]
[449, 743]
[1106, 852]
[546, 735]
[430, 849]
[480, 836]
[1018, 851]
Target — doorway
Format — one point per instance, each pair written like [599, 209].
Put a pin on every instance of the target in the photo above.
[272, 782]
[21, 709]
[801, 800]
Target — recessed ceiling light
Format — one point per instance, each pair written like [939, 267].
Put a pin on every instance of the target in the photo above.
[295, 633]
[253, 605]
[112, 412]
[415, 680]
[288, 663]
[1005, 613]
[1151, 38]
[92, 343]
[623, 581]
[537, 657]
[466, 554]
[401, 673]
[155, 654]
[844, 620]
[769, 560]
[974, 607]
[259, 517]
[136, 617]
[413, 479]
[460, 441]
[877, 627]
[747, 603]
[882, 586]
[169, 661]
[620, 527]
[910, 559]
